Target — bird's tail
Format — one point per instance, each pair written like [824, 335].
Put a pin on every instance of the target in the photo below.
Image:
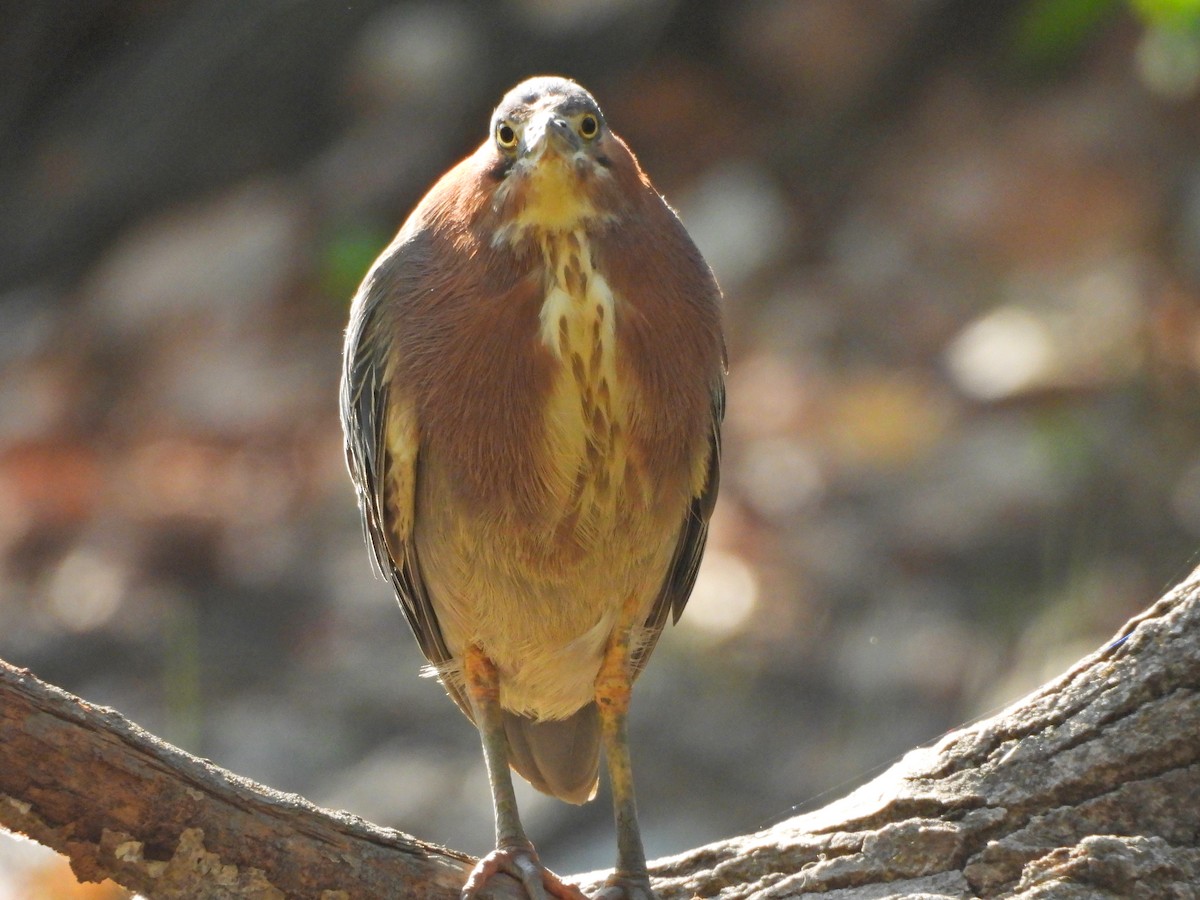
[558, 757]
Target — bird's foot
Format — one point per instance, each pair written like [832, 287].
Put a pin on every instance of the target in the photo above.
[521, 863]
[626, 887]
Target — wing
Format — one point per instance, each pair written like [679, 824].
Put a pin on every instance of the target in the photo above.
[382, 446]
[685, 563]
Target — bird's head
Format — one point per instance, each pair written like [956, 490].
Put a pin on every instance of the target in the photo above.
[552, 161]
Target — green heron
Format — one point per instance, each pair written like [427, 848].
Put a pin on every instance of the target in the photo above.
[532, 396]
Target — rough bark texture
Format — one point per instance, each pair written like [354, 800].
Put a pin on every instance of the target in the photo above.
[1087, 788]
[125, 805]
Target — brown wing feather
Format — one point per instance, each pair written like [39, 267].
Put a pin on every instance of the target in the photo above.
[685, 563]
[366, 402]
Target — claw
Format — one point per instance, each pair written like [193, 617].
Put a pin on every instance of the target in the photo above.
[522, 864]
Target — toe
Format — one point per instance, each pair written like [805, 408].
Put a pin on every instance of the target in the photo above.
[522, 864]
[530, 872]
[626, 887]
[560, 889]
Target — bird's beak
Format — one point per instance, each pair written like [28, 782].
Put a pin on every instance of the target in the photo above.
[549, 133]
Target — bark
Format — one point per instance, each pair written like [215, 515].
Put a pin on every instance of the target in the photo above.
[1087, 788]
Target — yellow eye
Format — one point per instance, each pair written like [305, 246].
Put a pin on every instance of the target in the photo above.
[588, 126]
[506, 137]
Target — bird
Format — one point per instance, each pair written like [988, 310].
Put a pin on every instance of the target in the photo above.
[532, 394]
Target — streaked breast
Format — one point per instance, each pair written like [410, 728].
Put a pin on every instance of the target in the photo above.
[588, 406]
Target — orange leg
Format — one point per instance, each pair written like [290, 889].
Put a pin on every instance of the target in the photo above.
[630, 880]
[514, 854]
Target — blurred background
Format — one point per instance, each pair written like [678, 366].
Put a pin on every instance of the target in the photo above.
[960, 246]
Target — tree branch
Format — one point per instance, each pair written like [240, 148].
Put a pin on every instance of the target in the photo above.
[122, 804]
[1086, 788]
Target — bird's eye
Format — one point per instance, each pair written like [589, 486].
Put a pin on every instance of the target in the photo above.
[506, 137]
[588, 126]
